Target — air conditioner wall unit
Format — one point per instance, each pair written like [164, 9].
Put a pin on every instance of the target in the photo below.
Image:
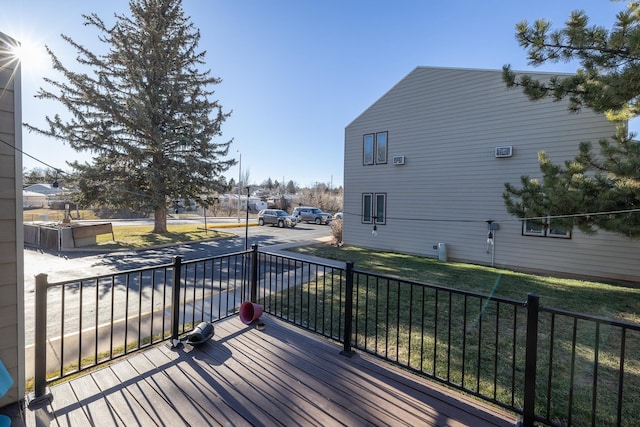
[398, 160]
[504, 151]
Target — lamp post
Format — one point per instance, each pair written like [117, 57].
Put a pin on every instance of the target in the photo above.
[239, 179]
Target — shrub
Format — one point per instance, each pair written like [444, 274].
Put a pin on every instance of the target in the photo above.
[336, 231]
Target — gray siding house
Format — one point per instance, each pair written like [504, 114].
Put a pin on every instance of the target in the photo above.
[12, 341]
[425, 165]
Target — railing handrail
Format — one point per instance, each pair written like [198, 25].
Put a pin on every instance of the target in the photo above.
[441, 287]
[592, 318]
[137, 270]
[107, 275]
[226, 255]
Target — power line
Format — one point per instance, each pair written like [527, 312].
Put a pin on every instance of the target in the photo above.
[32, 157]
[541, 218]
[57, 170]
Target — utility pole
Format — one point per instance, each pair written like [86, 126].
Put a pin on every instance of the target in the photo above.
[239, 178]
[246, 225]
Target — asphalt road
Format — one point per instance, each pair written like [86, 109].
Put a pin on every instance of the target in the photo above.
[77, 264]
[80, 264]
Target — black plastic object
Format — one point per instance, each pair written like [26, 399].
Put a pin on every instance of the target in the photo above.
[201, 334]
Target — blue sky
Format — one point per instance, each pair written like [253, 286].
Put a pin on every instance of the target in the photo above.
[296, 72]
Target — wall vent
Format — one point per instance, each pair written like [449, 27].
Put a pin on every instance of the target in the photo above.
[398, 160]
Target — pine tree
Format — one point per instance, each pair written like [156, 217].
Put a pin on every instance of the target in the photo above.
[40, 176]
[144, 113]
[291, 187]
[596, 190]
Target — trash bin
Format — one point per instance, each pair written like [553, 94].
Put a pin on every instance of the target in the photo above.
[442, 251]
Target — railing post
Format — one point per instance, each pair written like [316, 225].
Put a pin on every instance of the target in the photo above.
[254, 273]
[40, 393]
[175, 300]
[531, 354]
[348, 310]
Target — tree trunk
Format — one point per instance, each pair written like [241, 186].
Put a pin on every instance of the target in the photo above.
[160, 220]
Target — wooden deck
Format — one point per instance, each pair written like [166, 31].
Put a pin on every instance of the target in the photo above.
[281, 376]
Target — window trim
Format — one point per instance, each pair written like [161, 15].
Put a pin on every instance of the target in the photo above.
[545, 231]
[532, 230]
[551, 233]
[367, 214]
[381, 160]
[370, 205]
[376, 210]
[372, 153]
[368, 153]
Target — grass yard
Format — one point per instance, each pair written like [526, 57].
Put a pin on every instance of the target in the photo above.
[140, 236]
[616, 300]
[480, 344]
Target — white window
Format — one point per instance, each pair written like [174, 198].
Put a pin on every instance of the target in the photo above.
[367, 206]
[374, 208]
[374, 148]
[381, 147]
[532, 228]
[556, 230]
[545, 227]
[368, 149]
[380, 208]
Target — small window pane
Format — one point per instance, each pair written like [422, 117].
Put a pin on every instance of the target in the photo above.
[532, 228]
[381, 147]
[366, 207]
[556, 230]
[368, 149]
[381, 208]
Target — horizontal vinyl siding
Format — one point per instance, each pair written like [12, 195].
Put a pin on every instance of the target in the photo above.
[11, 247]
[447, 123]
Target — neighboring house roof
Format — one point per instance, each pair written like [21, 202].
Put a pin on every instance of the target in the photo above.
[43, 189]
[34, 195]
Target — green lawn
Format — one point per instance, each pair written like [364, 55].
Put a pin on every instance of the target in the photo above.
[140, 236]
[615, 300]
[457, 340]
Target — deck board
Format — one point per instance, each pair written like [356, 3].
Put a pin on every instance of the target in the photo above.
[167, 383]
[278, 379]
[140, 391]
[71, 412]
[358, 398]
[94, 405]
[116, 395]
[280, 376]
[137, 391]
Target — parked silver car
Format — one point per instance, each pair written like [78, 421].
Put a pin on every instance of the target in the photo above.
[311, 214]
[276, 217]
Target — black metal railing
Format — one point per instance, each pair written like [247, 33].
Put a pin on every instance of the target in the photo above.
[83, 323]
[549, 366]
[307, 294]
[511, 353]
[469, 341]
[588, 369]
